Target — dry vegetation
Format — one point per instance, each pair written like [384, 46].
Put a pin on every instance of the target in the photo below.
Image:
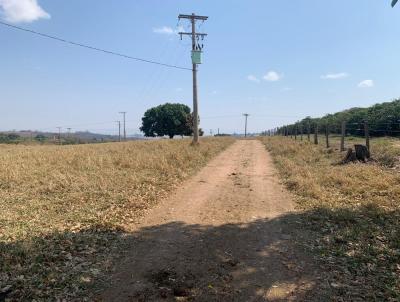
[65, 210]
[352, 212]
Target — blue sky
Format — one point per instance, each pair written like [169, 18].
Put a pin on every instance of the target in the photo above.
[276, 60]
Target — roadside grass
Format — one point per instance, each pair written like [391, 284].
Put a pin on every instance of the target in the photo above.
[352, 212]
[385, 150]
[65, 210]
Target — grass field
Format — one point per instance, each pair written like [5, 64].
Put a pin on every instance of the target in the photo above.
[64, 210]
[352, 212]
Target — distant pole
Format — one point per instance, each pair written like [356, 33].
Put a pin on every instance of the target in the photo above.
[124, 114]
[309, 131]
[218, 131]
[316, 134]
[343, 136]
[196, 47]
[59, 135]
[119, 130]
[69, 132]
[295, 132]
[366, 130]
[246, 115]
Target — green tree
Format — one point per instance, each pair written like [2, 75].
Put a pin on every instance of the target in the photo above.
[40, 138]
[168, 119]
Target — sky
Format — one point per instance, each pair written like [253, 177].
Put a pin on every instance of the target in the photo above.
[279, 61]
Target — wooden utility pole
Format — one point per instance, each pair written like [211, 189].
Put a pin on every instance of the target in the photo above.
[119, 130]
[124, 115]
[246, 115]
[366, 130]
[196, 55]
[59, 135]
[343, 136]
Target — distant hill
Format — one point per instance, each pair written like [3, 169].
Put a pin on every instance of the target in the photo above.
[383, 119]
[79, 137]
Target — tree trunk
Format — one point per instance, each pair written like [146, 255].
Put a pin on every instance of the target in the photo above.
[362, 153]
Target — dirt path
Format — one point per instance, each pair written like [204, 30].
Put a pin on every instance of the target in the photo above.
[223, 236]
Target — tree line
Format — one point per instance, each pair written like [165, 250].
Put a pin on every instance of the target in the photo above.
[383, 120]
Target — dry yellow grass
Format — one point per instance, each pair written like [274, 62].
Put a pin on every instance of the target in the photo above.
[353, 212]
[64, 210]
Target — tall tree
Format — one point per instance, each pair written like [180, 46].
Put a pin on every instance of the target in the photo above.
[168, 119]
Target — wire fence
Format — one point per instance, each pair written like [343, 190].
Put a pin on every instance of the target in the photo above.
[344, 132]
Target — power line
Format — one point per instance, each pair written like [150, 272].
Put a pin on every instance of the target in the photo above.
[91, 47]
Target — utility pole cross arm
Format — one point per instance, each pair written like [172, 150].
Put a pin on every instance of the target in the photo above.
[193, 16]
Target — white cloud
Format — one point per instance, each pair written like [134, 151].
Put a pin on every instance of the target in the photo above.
[366, 84]
[16, 11]
[253, 78]
[335, 76]
[166, 30]
[272, 76]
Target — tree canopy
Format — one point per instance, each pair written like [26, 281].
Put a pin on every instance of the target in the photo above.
[383, 119]
[168, 119]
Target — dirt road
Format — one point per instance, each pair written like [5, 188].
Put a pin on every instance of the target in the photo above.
[223, 236]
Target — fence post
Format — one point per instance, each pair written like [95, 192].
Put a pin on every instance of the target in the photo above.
[343, 136]
[309, 131]
[316, 134]
[295, 132]
[327, 135]
[301, 131]
[366, 130]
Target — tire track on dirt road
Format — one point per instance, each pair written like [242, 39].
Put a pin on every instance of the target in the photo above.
[223, 236]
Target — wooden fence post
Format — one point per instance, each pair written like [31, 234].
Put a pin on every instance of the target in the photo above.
[343, 136]
[327, 135]
[366, 130]
[301, 131]
[316, 134]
